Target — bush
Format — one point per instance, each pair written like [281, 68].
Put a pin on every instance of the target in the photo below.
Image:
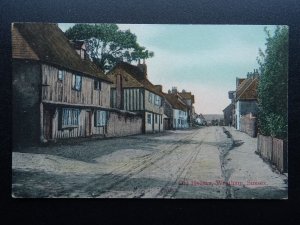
[272, 88]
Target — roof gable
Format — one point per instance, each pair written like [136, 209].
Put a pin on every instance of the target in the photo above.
[187, 96]
[174, 100]
[247, 90]
[136, 77]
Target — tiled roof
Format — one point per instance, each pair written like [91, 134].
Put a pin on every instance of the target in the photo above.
[228, 108]
[247, 90]
[47, 43]
[173, 99]
[188, 95]
[134, 77]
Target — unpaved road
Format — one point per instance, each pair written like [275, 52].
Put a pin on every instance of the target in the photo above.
[176, 164]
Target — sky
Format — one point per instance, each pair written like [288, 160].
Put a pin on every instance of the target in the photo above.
[203, 59]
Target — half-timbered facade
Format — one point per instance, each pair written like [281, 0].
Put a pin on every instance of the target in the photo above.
[134, 92]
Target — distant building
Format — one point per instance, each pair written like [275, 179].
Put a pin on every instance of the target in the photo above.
[180, 111]
[200, 120]
[189, 100]
[228, 114]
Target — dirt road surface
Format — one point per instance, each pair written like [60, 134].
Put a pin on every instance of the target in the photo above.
[197, 163]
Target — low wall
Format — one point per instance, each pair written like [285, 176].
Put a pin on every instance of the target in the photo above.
[122, 124]
[248, 125]
[273, 150]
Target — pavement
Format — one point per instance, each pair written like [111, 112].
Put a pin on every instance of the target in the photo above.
[196, 163]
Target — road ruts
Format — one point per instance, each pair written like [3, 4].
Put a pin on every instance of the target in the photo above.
[224, 148]
[113, 178]
[170, 189]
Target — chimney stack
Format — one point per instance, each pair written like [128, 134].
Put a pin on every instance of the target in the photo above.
[80, 48]
[143, 67]
[158, 88]
[174, 90]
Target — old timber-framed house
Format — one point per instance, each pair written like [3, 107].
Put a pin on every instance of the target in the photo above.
[57, 92]
[133, 91]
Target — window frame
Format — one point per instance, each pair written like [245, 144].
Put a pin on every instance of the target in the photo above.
[150, 97]
[62, 73]
[157, 100]
[98, 86]
[70, 118]
[74, 82]
[101, 118]
[149, 119]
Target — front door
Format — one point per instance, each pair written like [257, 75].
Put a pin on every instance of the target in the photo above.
[47, 120]
[88, 123]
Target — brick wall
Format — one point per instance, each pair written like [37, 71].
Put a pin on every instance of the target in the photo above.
[122, 124]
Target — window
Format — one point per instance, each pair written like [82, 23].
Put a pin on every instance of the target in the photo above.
[149, 118]
[97, 85]
[60, 75]
[101, 118]
[70, 117]
[76, 82]
[178, 121]
[157, 100]
[155, 118]
[150, 98]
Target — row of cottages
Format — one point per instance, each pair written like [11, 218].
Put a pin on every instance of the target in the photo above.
[188, 99]
[59, 93]
[132, 91]
[179, 119]
[243, 100]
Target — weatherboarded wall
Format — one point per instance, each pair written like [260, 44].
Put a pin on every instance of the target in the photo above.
[55, 90]
[118, 124]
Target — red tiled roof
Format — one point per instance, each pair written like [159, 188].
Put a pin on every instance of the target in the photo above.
[187, 95]
[47, 43]
[173, 99]
[134, 77]
[247, 90]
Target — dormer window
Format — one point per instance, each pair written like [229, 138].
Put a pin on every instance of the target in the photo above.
[60, 75]
[97, 85]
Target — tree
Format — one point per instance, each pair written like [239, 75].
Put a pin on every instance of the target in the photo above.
[107, 45]
[272, 88]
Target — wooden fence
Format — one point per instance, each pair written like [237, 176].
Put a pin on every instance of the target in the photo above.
[273, 150]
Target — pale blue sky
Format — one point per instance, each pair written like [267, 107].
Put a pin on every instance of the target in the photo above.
[204, 59]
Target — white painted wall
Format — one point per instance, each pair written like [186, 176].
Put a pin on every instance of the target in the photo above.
[179, 119]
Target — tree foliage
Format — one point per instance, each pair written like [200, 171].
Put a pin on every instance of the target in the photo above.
[107, 45]
[272, 88]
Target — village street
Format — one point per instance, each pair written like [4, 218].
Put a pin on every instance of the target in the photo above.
[194, 163]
